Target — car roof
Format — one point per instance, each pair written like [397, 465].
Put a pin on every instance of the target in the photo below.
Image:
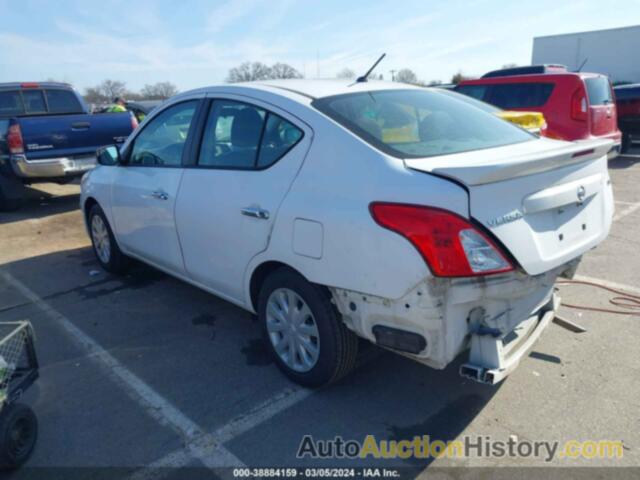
[303, 90]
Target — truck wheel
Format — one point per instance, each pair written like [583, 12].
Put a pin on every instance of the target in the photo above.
[626, 143]
[104, 243]
[304, 331]
[18, 434]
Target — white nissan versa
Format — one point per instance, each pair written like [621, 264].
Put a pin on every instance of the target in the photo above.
[334, 210]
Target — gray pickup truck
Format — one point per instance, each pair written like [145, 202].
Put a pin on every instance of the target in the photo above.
[48, 135]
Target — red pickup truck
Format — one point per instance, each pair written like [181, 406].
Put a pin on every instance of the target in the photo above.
[576, 106]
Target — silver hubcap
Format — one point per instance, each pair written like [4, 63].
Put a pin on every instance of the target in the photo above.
[292, 330]
[100, 236]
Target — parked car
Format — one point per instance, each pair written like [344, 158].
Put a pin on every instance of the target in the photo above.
[576, 106]
[47, 135]
[531, 121]
[335, 210]
[628, 104]
[142, 108]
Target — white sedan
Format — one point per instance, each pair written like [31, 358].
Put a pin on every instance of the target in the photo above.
[338, 210]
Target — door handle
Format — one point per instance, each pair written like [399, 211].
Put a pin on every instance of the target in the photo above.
[160, 195]
[256, 212]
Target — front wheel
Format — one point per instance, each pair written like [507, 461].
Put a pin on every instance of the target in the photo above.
[18, 435]
[104, 243]
[303, 330]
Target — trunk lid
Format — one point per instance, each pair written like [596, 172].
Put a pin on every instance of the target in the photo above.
[546, 201]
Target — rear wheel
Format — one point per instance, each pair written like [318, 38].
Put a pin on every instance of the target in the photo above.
[104, 243]
[626, 143]
[18, 434]
[303, 330]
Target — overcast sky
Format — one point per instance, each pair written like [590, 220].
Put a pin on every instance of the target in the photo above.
[194, 43]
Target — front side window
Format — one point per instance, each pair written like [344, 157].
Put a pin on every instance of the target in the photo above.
[419, 123]
[242, 136]
[162, 141]
[34, 101]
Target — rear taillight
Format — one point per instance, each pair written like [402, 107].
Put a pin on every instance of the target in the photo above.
[451, 246]
[134, 122]
[14, 139]
[579, 105]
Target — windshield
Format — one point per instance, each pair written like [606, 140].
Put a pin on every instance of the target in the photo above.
[419, 123]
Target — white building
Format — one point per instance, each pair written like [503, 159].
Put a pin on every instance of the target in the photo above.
[614, 52]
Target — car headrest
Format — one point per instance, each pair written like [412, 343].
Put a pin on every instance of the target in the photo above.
[246, 128]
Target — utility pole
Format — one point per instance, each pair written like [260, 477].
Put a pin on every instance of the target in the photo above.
[393, 75]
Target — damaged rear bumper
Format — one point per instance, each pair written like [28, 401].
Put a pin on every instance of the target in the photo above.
[492, 359]
[498, 318]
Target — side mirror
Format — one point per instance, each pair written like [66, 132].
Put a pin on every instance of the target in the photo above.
[109, 155]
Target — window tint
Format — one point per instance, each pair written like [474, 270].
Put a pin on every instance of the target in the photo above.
[279, 137]
[599, 91]
[232, 135]
[34, 101]
[63, 101]
[518, 95]
[473, 91]
[419, 123]
[11, 103]
[162, 141]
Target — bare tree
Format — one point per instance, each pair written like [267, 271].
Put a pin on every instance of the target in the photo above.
[158, 91]
[94, 95]
[346, 73]
[283, 70]
[406, 76]
[112, 88]
[249, 71]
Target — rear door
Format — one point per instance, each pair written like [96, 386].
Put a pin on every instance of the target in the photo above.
[548, 202]
[145, 189]
[602, 109]
[249, 154]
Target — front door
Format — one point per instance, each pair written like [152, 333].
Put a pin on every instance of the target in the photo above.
[228, 202]
[146, 187]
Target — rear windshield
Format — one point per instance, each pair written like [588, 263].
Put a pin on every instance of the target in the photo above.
[419, 123]
[599, 90]
[510, 95]
[11, 103]
[38, 102]
[63, 101]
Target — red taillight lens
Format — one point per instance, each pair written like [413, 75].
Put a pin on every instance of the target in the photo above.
[451, 246]
[579, 105]
[14, 139]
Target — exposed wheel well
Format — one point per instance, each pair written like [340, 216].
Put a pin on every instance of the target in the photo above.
[262, 272]
[88, 205]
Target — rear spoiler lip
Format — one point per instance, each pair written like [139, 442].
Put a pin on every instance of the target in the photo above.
[523, 165]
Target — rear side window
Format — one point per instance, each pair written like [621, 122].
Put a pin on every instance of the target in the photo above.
[419, 123]
[11, 103]
[518, 95]
[63, 101]
[34, 101]
[598, 90]
[245, 137]
[510, 95]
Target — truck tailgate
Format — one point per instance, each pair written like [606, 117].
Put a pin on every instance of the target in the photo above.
[72, 135]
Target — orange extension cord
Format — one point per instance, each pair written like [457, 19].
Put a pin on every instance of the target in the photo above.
[622, 300]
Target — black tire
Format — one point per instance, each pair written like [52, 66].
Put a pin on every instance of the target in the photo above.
[626, 143]
[338, 346]
[117, 261]
[18, 435]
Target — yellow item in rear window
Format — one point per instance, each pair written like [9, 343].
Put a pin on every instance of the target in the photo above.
[526, 120]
